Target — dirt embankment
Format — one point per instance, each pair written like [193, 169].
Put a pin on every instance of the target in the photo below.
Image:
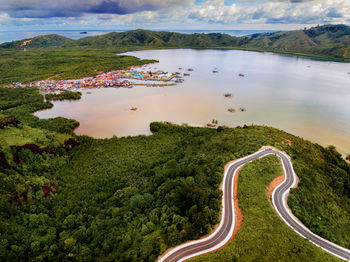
[269, 190]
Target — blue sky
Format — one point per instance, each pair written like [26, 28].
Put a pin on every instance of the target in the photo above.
[170, 14]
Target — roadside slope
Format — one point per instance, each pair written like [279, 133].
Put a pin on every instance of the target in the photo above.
[263, 235]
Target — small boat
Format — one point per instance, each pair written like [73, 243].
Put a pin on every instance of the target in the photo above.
[211, 125]
[83, 33]
[228, 95]
[180, 68]
[190, 69]
[133, 108]
[186, 74]
[241, 75]
[243, 109]
[215, 71]
[231, 110]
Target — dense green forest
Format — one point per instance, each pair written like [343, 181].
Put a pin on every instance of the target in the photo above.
[61, 63]
[263, 235]
[68, 198]
[66, 95]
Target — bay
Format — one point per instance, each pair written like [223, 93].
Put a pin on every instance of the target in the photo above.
[304, 97]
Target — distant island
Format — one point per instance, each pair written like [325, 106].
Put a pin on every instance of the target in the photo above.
[327, 42]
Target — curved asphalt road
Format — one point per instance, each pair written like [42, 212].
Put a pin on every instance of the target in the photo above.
[225, 230]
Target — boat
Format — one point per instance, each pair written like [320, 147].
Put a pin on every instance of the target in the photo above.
[211, 125]
[228, 95]
[180, 68]
[186, 74]
[215, 71]
[88, 93]
[243, 109]
[231, 110]
[83, 33]
[241, 75]
[133, 108]
[190, 69]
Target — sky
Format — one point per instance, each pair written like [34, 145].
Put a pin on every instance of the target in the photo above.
[170, 14]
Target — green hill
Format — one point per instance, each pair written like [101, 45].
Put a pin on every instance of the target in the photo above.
[329, 41]
[41, 41]
[325, 42]
[145, 38]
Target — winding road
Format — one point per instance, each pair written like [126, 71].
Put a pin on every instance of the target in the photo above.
[279, 199]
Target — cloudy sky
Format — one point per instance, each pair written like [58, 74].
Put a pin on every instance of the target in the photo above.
[170, 14]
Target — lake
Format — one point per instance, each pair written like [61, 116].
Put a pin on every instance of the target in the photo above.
[307, 98]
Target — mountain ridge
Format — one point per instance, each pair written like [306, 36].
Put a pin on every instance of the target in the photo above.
[326, 41]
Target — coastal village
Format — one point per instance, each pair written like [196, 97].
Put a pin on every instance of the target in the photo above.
[116, 79]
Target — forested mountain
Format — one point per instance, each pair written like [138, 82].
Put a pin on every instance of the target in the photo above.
[327, 41]
[41, 41]
[145, 38]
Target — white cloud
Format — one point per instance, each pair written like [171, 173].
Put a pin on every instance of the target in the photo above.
[209, 14]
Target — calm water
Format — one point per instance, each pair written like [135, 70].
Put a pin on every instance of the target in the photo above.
[307, 98]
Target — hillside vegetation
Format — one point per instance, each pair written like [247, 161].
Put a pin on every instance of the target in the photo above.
[326, 42]
[60, 63]
[66, 95]
[131, 198]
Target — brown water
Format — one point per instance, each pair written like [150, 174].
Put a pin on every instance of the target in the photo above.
[307, 98]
